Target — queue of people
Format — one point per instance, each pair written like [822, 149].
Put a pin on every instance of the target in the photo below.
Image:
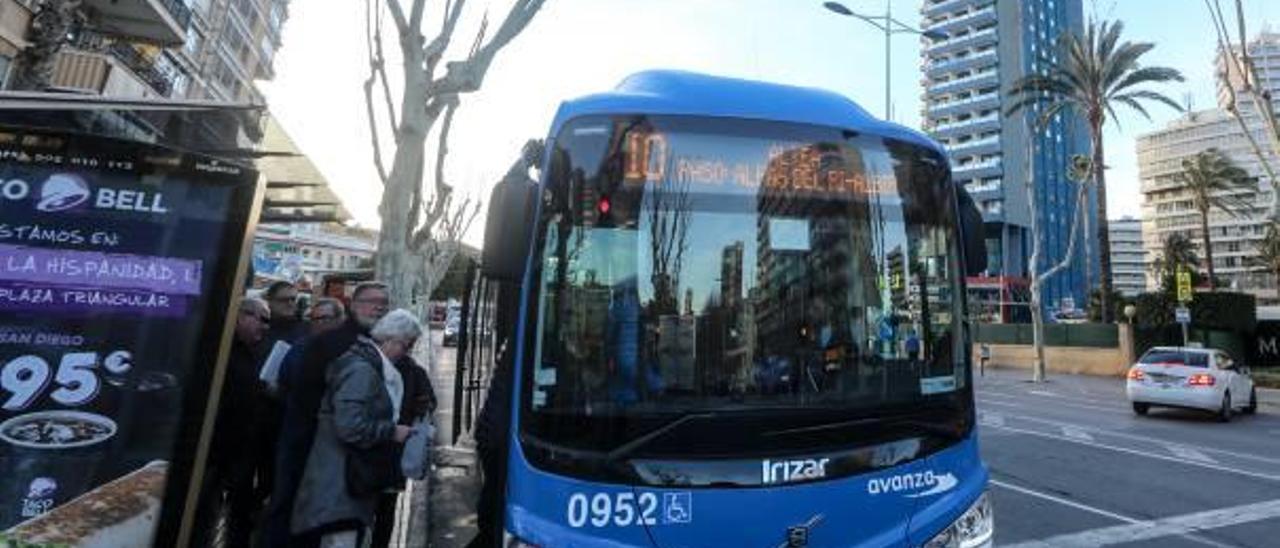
[310, 456]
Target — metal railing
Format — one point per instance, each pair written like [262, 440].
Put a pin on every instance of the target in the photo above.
[143, 67]
[970, 121]
[968, 100]
[179, 10]
[129, 56]
[936, 46]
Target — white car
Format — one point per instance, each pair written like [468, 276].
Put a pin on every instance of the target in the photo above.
[1192, 378]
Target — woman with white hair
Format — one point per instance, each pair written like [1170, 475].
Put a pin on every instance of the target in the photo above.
[355, 455]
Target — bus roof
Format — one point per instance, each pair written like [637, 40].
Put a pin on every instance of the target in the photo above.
[675, 92]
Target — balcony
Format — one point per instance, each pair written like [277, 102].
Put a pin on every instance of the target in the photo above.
[161, 22]
[985, 101]
[945, 6]
[938, 68]
[987, 78]
[985, 145]
[975, 18]
[984, 187]
[971, 40]
[977, 170]
[972, 125]
[98, 64]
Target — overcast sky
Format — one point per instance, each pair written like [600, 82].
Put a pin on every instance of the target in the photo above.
[576, 47]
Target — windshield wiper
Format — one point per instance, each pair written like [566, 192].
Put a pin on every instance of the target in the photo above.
[909, 419]
[622, 451]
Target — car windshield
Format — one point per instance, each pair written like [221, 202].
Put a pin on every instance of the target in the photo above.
[1157, 356]
[754, 269]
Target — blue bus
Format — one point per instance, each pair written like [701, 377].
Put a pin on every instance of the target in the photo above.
[739, 321]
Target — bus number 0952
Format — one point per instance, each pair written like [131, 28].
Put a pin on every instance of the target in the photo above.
[621, 509]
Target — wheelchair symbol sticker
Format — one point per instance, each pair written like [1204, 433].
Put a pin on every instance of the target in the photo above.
[677, 507]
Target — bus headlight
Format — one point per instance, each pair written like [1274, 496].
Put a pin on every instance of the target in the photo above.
[973, 529]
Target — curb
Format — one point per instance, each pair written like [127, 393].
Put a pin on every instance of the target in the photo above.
[1269, 397]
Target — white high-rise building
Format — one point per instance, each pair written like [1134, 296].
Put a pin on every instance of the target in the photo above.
[1128, 257]
[1167, 207]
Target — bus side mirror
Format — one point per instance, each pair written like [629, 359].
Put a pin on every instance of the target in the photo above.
[507, 230]
[974, 233]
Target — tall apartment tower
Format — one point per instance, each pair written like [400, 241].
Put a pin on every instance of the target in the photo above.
[230, 44]
[989, 45]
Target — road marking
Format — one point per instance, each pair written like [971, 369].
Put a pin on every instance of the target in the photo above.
[992, 419]
[1162, 441]
[1051, 394]
[984, 398]
[1211, 466]
[1094, 510]
[1177, 525]
[1076, 433]
[1189, 453]
[1064, 502]
[1080, 401]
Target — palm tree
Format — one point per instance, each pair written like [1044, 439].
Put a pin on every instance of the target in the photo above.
[1091, 75]
[1176, 252]
[1269, 250]
[1212, 179]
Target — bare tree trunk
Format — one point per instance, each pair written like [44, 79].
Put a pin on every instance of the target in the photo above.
[1037, 332]
[398, 265]
[1037, 278]
[1208, 249]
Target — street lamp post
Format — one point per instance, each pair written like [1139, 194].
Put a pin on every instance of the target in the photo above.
[889, 26]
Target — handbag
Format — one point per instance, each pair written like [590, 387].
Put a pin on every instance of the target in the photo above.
[374, 470]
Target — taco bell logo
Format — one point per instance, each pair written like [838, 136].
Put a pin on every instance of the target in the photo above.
[39, 497]
[61, 192]
[42, 487]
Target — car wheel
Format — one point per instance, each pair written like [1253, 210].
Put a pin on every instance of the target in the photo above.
[1253, 402]
[1141, 408]
[1224, 414]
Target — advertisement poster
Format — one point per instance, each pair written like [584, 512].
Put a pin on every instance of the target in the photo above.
[116, 265]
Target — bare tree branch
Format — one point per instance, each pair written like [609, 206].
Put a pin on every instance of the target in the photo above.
[421, 221]
[442, 198]
[443, 188]
[1243, 66]
[374, 53]
[397, 13]
[415, 14]
[466, 76]
[435, 49]
[475, 44]
[378, 65]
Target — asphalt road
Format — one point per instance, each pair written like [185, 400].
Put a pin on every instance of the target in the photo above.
[1072, 465]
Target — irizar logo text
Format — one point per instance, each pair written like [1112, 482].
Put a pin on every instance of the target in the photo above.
[783, 471]
[917, 484]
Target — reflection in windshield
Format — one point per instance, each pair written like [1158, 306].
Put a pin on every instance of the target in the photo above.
[689, 265]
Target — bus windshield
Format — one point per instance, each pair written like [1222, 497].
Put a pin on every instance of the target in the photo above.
[761, 276]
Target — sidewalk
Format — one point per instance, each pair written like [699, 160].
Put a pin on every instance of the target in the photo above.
[1270, 398]
[455, 482]
[413, 508]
